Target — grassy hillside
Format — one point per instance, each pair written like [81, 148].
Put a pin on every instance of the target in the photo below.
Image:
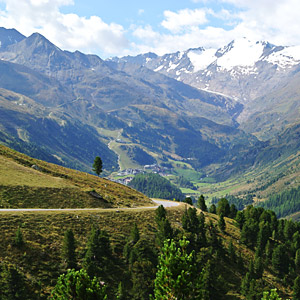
[52, 186]
[40, 258]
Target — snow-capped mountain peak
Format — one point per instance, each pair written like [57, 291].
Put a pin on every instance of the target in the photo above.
[241, 53]
[285, 57]
[243, 69]
[201, 58]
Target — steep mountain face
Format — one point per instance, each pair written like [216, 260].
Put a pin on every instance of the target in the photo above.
[243, 69]
[9, 37]
[161, 115]
[261, 76]
[272, 113]
[28, 126]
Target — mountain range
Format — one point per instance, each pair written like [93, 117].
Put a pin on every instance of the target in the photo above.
[252, 73]
[215, 111]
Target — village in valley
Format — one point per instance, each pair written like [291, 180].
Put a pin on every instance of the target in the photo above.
[125, 176]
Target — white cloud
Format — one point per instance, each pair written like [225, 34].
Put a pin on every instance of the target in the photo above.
[153, 41]
[68, 31]
[183, 19]
[273, 21]
[141, 11]
[276, 21]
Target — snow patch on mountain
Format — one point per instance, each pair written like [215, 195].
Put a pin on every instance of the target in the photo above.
[158, 68]
[201, 59]
[240, 53]
[289, 56]
[172, 66]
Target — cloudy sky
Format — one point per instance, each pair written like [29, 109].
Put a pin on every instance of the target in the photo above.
[122, 27]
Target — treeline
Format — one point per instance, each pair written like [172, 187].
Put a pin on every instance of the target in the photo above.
[185, 183]
[240, 203]
[285, 203]
[156, 186]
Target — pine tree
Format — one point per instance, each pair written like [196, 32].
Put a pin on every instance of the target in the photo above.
[201, 203]
[97, 165]
[263, 235]
[206, 285]
[297, 260]
[164, 231]
[14, 286]
[272, 295]
[296, 240]
[213, 209]
[280, 260]
[221, 222]
[223, 207]
[19, 240]
[68, 250]
[296, 288]
[231, 252]
[269, 250]
[233, 211]
[258, 267]
[134, 235]
[190, 221]
[78, 285]
[98, 252]
[188, 200]
[121, 292]
[160, 213]
[142, 276]
[240, 219]
[245, 284]
[176, 277]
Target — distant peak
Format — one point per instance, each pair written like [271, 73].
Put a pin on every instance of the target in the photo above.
[37, 37]
[9, 37]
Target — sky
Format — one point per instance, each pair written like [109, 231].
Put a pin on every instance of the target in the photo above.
[130, 27]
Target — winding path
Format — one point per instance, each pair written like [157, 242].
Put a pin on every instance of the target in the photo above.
[165, 203]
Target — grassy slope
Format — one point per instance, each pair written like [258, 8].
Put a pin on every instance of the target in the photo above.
[57, 187]
[262, 181]
[40, 259]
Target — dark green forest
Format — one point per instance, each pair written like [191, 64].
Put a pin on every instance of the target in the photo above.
[156, 186]
[285, 203]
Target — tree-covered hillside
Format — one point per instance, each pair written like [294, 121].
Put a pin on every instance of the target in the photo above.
[156, 186]
[285, 203]
[181, 253]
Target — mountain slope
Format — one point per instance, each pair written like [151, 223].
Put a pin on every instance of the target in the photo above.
[261, 76]
[242, 69]
[270, 114]
[103, 96]
[23, 121]
[9, 37]
[30, 183]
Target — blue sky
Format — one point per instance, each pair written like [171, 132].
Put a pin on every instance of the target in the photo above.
[118, 27]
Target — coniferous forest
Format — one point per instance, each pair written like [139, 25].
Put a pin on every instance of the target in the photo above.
[249, 254]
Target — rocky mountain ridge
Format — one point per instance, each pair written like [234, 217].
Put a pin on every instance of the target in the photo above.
[222, 70]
